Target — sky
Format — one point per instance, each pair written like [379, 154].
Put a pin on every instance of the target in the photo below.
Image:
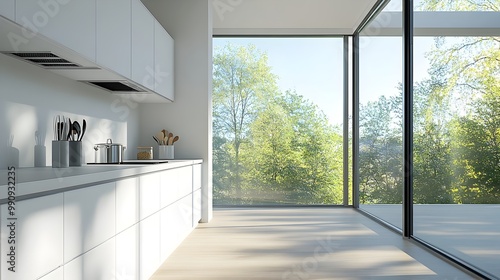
[313, 67]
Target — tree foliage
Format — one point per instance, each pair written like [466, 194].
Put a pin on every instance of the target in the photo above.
[456, 124]
[270, 147]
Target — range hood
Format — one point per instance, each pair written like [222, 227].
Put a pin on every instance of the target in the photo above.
[44, 52]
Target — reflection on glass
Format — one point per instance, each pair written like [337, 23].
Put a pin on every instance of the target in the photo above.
[380, 117]
[456, 149]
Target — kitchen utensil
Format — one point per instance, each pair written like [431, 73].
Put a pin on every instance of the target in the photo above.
[77, 130]
[170, 141]
[176, 138]
[109, 152]
[156, 139]
[83, 130]
[70, 132]
[160, 136]
[115, 152]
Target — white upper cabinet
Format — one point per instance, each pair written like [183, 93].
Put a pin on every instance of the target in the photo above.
[143, 38]
[164, 62]
[70, 23]
[7, 9]
[114, 35]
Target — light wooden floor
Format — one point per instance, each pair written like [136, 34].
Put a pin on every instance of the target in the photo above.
[300, 243]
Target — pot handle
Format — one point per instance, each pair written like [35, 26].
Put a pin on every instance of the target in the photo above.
[109, 141]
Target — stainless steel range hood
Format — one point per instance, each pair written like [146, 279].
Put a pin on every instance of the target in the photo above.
[44, 52]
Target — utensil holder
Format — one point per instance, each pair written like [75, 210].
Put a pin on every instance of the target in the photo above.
[75, 153]
[40, 156]
[60, 154]
[166, 152]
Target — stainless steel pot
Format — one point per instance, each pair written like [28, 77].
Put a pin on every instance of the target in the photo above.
[109, 152]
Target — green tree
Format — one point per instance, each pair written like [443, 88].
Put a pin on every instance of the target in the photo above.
[241, 77]
[296, 153]
[432, 161]
[381, 151]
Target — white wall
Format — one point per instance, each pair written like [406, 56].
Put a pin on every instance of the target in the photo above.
[189, 22]
[29, 99]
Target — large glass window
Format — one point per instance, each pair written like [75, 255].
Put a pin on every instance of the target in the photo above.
[380, 117]
[457, 130]
[456, 126]
[277, 120]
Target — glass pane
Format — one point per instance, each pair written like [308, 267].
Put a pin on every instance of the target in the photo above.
[277, 121]
[380, 116]
[456, 140]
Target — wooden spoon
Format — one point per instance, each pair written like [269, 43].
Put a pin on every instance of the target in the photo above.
[160, 137]
[173, 140]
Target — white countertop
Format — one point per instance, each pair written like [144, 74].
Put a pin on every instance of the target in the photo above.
[32, 181]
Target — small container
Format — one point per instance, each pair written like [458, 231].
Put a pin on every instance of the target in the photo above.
[144, 152]
[75, 153]
[60, 154]
[166, 152]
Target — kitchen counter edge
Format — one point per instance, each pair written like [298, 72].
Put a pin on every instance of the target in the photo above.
[39, 181]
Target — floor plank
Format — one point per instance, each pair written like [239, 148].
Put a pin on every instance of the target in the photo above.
[300, 243]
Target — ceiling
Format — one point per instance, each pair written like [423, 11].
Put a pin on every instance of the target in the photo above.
[288, 17]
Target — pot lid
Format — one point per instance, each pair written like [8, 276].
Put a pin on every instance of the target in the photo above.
[108, 143]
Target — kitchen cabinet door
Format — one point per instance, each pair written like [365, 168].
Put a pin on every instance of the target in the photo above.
[164, 62]
[89, 219]
[169, 190]
[114, 35]
[143, 24]
[70, 23]
[57, 274]
[127, 253]
[98, 263]
[7, 9]
[38, 236]
[196, 177]
[127, 203]
[149, 256]
[170, 232]
[186, 215]
[149, 194]
[185, 180]
[197, 194]
[196, 207]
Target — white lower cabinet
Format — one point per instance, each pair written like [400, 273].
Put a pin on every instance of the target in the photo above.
[170, 235]
[89, 218]
[127, 203]
[127, 254]
[57, 274]
[96, 264]
[149, 194]
[35, 238]
[196, 207]
[149, 249]
[116, 230]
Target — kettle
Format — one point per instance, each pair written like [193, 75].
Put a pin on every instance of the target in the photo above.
[109, 152]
